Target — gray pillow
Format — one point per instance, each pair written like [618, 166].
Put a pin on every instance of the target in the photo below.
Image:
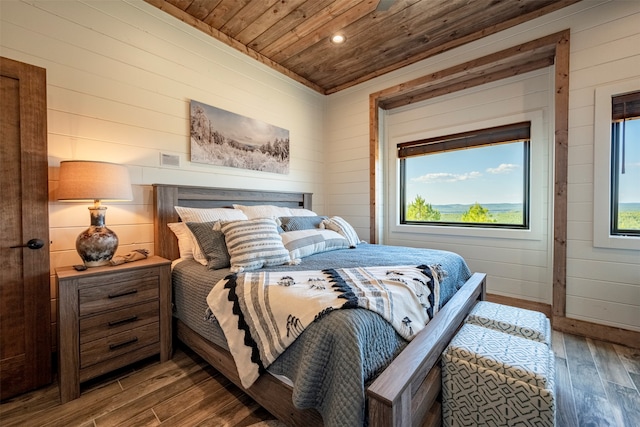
[295, 223]
[212, 244]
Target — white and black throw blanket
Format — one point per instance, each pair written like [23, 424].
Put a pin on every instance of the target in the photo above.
[262, 313]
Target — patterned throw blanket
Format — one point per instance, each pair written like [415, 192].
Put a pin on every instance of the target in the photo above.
[262, 313]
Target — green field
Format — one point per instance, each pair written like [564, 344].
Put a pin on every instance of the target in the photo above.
[509, 217]
[508, 213]
[629, 220]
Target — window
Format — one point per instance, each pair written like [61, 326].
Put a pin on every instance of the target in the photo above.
[625, 165]
[607, 165]
[470, 179]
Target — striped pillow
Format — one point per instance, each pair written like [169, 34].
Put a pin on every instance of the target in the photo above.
[303, 243]
[254, 244]
[341, 226]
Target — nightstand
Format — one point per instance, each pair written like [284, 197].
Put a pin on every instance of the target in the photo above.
[109, 317]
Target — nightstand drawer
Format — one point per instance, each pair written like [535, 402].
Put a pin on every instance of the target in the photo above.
[111, 296]
[114, 345]
[114, 322]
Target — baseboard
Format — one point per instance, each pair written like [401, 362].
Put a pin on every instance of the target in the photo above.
[596, 331]
[567, 325]
[521, 303]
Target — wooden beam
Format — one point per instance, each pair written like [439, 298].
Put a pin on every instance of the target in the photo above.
[512, 55]
[560, 178]
[374, 158]
[471, 79]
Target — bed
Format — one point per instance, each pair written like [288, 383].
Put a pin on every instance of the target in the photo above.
[405, 393]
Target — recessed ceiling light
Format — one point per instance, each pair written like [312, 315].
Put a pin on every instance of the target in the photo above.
[338, 38]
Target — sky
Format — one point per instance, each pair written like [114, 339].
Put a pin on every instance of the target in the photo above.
[491, 174]
[242, 129]
[494, 174]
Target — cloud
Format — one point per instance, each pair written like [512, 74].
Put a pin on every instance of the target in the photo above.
[503, 168]
[446, 177]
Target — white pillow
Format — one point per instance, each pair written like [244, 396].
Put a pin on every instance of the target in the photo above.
[209, 214]
[302, 243]
[341, 226]
[253, 244]
[302, 212]
[263, 211]
[187, 243]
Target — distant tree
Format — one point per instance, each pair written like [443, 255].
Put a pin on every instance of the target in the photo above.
[478, 214]
[200, 125]
[266, 148]
[420, 210]
[217, 138]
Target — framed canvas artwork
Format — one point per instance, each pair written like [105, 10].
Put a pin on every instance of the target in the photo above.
[223, 138]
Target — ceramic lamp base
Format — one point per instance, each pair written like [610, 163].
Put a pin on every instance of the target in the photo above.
[97, 244]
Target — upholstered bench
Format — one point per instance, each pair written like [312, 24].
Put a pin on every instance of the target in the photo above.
[495, 378]
[512, 320]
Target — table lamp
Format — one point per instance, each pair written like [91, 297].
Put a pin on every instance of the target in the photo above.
[82, 180]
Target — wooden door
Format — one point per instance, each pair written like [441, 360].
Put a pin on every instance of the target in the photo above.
[25, 301]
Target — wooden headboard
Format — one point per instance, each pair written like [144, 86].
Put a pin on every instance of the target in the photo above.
[165, 197]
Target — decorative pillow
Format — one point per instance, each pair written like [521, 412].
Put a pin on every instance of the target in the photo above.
[187, 244]
[263, 211]
[302, 243]
[293, 223]
[211, 244]
[341, 226]
[302, 212]
[254, 244]
[209, 214]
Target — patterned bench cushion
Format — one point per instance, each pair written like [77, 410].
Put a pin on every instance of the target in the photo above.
[494, 378]
[512, 320]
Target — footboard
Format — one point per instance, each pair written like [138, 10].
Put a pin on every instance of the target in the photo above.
[406, 392]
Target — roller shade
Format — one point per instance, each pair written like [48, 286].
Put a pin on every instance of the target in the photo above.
[500, 134]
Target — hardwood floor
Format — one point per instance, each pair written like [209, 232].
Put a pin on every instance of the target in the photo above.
[597, 384]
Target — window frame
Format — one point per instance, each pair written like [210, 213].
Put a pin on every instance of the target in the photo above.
[619, 124]
[540, 183]
[603, 169]
[476, 139]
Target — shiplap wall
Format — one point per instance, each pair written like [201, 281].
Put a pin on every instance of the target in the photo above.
[603, 285]
[120, 75]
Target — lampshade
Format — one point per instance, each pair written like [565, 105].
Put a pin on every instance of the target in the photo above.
[87, 180]
[94, 181]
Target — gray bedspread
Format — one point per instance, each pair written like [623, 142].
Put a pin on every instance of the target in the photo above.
[335, 359]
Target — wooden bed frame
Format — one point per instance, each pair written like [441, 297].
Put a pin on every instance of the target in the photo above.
[406, 393]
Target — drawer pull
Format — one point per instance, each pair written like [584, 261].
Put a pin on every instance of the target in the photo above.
[123, 294]
[123, 344]
[122, 321]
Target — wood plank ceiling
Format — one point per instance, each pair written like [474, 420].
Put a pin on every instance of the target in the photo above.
[293, 36]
